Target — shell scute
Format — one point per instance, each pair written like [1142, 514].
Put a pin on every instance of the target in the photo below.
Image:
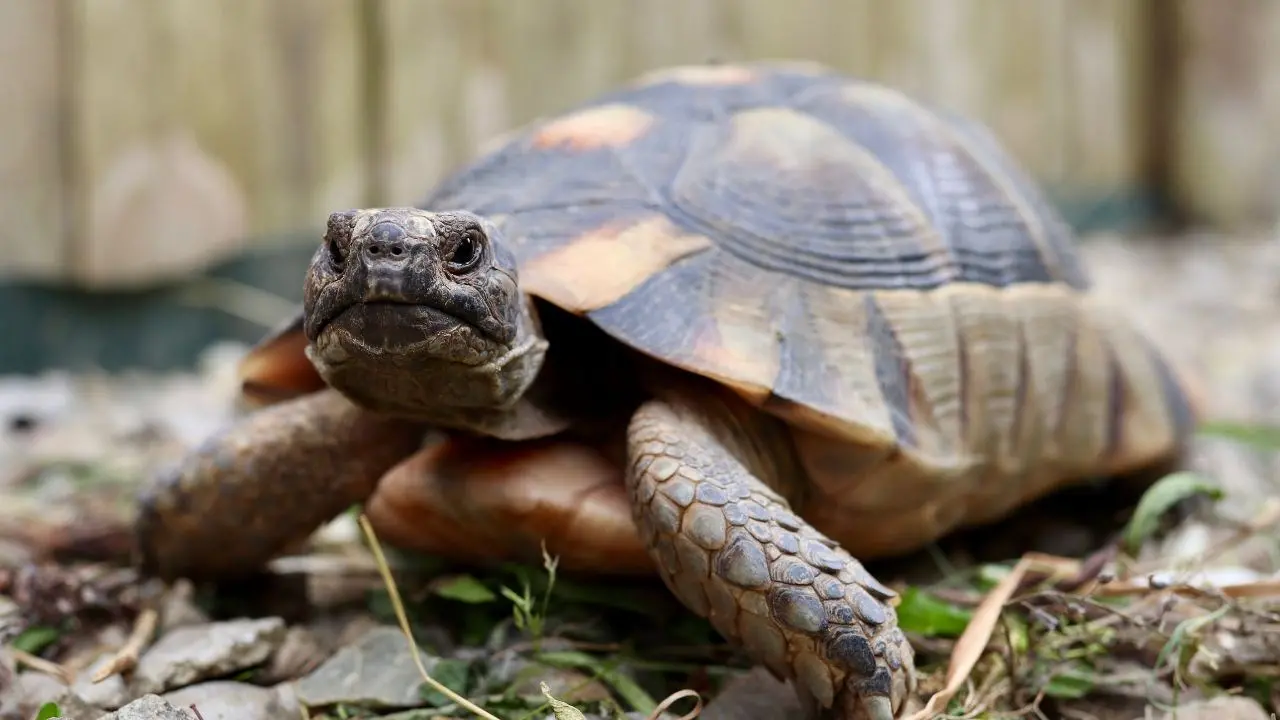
[611, 125]
[860, 264]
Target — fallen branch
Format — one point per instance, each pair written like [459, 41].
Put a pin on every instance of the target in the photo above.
[126, 658]
[39, 664]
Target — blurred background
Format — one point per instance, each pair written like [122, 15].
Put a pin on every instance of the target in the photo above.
[166, 165]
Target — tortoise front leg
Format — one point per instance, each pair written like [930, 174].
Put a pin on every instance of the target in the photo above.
[728, 546]
[250, 491]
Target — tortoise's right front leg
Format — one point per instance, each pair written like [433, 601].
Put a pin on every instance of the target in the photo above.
[255, 488]
[727, 544]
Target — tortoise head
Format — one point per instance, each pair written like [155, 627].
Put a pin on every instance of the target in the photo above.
[419, 314]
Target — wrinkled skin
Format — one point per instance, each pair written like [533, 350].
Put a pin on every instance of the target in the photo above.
[417, 320]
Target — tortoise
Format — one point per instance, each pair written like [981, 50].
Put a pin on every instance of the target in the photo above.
[741, 325]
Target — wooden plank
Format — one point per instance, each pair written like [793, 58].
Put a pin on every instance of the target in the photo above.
[202, 123]
[1226, 161]
[1107, 76]
[32, 232]
[1057, 80]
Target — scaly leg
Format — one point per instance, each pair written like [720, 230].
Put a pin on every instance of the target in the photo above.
[257, 487]
[702, 473]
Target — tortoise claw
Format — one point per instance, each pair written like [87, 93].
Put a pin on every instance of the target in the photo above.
[877, 707]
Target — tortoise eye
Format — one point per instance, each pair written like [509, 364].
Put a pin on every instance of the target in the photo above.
[467, 251]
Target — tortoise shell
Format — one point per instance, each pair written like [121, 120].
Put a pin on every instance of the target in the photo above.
[864, 266]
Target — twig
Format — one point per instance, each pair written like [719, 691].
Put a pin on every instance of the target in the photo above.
[394, 592]
[126, 658]
[39, 664]
[672, 698]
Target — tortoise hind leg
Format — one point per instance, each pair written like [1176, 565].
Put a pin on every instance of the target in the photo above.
[728, 546]
[269, 480]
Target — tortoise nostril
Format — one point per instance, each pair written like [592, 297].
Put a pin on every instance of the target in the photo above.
[386, 250]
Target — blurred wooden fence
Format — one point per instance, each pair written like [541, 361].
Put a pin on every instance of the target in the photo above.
[144, 139]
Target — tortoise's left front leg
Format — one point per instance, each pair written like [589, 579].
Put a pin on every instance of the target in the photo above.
[701, 475]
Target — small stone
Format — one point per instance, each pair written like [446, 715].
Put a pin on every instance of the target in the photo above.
[299, 653]
[377, 671]
[227, 700]
[1223, 707]
[755, 694]
[29, 690]
[568, 685]
[193, 653]
[151, 707]
[110, 694]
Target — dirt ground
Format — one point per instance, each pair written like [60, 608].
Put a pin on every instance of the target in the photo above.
[74, 449]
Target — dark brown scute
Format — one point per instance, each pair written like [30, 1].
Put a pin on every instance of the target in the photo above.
[993, 221]
[277, 367]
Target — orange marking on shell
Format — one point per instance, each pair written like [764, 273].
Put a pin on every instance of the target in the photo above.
[701, 75]
[604, 126]
[598, 268]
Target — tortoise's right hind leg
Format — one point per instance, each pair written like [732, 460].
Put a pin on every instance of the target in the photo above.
[731, 550]
[250, 491]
